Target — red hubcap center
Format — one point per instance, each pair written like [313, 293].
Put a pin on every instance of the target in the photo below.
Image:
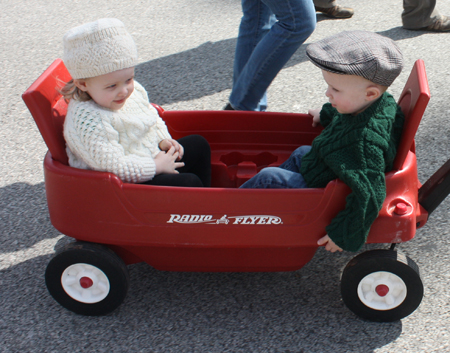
[382, 290]
[86, 282]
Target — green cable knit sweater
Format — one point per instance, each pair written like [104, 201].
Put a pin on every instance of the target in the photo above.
[359, 150]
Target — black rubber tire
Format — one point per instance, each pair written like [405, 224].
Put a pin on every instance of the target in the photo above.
[387, 261]
[95, 255]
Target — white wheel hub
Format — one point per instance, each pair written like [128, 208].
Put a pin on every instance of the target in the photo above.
[382, 290]
[85, 283]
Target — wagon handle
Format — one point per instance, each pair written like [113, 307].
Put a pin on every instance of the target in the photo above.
[435, 189]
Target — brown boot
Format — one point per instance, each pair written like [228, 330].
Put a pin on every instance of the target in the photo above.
[441, 24]
[336, 11]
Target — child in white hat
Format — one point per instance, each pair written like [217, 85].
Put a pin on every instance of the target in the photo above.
[362, 128]
[110, 124]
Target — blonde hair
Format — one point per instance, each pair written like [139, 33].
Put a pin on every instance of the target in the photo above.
[70, 91]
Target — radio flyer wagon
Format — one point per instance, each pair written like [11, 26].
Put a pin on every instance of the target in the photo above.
[224, 228]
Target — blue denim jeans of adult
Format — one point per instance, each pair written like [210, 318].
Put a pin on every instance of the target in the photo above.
[269, 34]
[286, 176]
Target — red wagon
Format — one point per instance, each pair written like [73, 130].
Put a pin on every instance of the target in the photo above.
[224, 228]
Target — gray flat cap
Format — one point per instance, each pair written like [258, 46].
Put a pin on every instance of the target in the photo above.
[367, 54]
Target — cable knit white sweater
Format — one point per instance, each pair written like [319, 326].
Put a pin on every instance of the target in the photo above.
[123, 142]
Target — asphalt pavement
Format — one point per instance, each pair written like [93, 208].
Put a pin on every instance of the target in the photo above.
[186, 51]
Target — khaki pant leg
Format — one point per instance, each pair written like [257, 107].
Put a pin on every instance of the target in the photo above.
[418, 13]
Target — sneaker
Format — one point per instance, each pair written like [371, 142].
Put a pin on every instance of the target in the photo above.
[336, 11]
[440, 24]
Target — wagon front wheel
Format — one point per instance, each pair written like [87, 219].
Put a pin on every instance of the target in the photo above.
[381, 285]
[87, 278]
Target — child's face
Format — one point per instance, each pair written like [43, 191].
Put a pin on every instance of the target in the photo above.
[349, 94]
[110, 90]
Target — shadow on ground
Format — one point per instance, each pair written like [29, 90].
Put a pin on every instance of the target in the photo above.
[208, 312]
[24, 218]
[195, 73]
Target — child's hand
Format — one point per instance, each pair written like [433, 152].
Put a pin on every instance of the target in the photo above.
[165, 145]
[166, 162]
[316, 116]
[330, 245]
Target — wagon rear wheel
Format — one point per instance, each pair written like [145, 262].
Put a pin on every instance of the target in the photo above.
[381, 285]
[87, 278]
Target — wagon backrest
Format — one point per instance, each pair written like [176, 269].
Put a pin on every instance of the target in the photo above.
[413, 101]
[48, 108]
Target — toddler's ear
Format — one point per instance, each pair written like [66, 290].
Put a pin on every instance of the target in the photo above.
[373, 93]
[81, 84]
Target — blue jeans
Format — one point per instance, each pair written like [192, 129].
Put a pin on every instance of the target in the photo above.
[269, 34]
[286, 176]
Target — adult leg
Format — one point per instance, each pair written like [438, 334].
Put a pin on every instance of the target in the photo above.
[256, 22]
[418, 14]
[296, 21]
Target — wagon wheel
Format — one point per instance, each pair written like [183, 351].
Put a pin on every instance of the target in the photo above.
[88, 279]
[381, 285]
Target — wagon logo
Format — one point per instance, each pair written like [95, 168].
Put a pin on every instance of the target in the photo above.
[209, 219]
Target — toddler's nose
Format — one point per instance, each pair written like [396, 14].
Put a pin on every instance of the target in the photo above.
[124, 91]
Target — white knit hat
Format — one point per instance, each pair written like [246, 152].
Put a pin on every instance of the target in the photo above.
[98, 48]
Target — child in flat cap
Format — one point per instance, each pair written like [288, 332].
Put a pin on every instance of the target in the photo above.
[110, 124]
[362, 128]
